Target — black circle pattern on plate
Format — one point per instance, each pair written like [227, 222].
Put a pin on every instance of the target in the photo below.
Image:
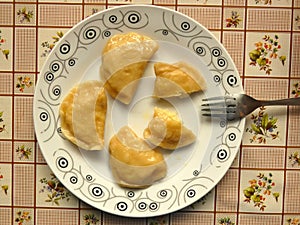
[55, 67]
[223, 123]
[134, 18]
[65, 48]
[200, 51]
[56, 91]
[196, 173]
[216, 52]
[222, 154]
[217, 78]
[122, 206]
[185, 26]
[97, 191]
[73, 180]
[142, 206]
[59, 130]
[191, 193]
[90, 34]
[107, 33]
[232, 136]
[231, 80]
[63, 162]
[153, 206]
[163, 193]
[49, 76]
[71, 62]
[89, 177]
[130, 194]
[222, 62]
[44, 116]
[113, 19]
[165, 32]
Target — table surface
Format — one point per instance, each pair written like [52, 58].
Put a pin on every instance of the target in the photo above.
[269, 157]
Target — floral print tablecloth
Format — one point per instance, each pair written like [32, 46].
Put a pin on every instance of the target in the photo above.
[263, 184]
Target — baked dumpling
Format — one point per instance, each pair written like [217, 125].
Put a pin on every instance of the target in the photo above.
[83, 113]
[132, 161]
[167, 131]
[124, 60]
[179, 79]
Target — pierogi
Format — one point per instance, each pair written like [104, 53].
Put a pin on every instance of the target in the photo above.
[124, 60]
[167, 131]
[83, 114]
[179, 79]
[134, 164]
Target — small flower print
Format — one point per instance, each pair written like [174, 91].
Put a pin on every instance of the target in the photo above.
[160, 220]
[4, 187]
[50, 45]
[265, 51]
[293, 221]
[263, 127]
[5, 52]
[90, 219]
[22, 217]
[94, 10]
[23, 152]
[225, 221]
[56, 192]
[260, 188]
[2, 128]
[296, 90]
[297, 22]
[294, 158]
[234, 20]
[23, 82]
[2, 125]
[265, 2]
[24, 15]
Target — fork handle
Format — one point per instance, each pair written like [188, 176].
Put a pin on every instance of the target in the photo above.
[287, 101]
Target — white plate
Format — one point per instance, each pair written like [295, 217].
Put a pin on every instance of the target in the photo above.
[192, 171]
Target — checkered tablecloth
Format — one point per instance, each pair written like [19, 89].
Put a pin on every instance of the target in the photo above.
[263, 184]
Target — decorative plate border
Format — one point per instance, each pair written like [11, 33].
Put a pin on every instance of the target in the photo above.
[91, 188]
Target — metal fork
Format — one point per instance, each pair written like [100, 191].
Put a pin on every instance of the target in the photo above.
[237, 106]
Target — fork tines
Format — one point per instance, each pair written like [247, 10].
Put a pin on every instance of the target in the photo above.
[220, 106]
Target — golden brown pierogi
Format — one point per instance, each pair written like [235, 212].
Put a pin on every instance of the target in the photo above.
[83, 114]
[179, 79]
[167, 131]
[124, 60]
[133, 162]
